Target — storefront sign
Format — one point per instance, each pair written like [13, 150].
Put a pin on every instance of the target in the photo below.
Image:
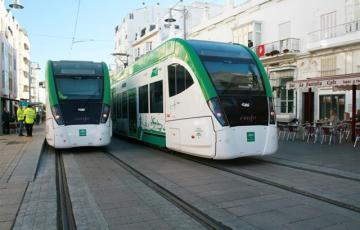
[345, 80]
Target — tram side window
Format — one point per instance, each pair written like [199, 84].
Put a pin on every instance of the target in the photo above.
[124, 105]
[143, 99]
[118, 106]
[156, 97]
[179, 79]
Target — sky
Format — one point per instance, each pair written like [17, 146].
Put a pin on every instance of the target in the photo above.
[51, 27]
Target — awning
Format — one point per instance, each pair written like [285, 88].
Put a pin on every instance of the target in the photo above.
[345, 82]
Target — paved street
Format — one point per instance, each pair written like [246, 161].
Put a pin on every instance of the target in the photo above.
[323, 180]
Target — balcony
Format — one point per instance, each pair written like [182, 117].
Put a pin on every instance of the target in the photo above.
[281, 47]
[344, 34]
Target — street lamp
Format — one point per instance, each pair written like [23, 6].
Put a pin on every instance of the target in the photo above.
[16, 5]
[118, 55]
[171, 19]
[30, 75]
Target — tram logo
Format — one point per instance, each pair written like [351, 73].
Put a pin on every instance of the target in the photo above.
[245, 104]
[81, 109]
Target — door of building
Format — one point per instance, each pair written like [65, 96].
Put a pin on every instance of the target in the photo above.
[308, 107]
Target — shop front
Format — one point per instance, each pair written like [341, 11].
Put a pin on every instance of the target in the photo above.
[326, 96]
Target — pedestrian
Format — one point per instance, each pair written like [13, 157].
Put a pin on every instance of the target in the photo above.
[333, 117]
[30, 116]
[6, 121]
[20, 119]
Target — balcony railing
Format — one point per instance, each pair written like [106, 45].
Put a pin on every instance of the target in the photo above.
[284, 46]
[335, 31]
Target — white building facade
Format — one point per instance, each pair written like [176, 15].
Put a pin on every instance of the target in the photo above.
[14, 60]
[295, 40]
[144, 29]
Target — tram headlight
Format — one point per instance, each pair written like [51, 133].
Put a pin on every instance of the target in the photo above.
[56, 112]
[105, 113]
[216, 109]
[272, 111]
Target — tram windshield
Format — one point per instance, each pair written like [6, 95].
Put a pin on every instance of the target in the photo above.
[79, 87]
[237, 80]
[233, 75]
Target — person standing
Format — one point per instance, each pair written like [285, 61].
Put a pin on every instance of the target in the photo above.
[30, 116]
[20, 119]
[6, 121]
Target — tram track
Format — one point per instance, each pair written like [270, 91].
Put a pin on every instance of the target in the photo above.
[201, 217]
[282, 186]
[65, 216]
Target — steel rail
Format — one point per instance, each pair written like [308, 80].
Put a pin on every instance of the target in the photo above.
[65, 215]
[276, 184]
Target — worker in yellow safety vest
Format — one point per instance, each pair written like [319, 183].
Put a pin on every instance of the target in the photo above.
[30, 116]
[20, 119]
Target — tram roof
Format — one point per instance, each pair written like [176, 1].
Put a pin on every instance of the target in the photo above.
[189, 51]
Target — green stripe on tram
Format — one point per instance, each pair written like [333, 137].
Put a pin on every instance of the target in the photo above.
[107, 99]
[51, 85]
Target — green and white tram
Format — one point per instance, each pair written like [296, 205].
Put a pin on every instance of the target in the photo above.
[208, 99]
[78, 104]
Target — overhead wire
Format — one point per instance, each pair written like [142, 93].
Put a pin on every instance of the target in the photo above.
[76, 22]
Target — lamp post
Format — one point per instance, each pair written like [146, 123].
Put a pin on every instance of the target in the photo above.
[30, 76]
[171, 19]
[119, 55]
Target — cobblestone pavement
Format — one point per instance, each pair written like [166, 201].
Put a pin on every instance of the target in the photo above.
[231, 199]
[18, 163]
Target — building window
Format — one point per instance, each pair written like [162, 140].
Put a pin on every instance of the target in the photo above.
[143, 32]
[148, 47]
[152, 27]
[328, 66]
[286, 97]
[284, 30]
[179, 79]
[328, 25]
[332, 102]
[352, 10]
[250, 31]
[156, 97]
[131, 16]
[144, 99]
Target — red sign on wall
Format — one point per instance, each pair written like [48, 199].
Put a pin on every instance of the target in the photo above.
[260, 50]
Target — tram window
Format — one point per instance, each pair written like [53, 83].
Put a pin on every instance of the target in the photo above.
[118, 106]
[124, 105]
[156, 97]
[172, 79]
[179, 79]
[143, 99]
[188, 80]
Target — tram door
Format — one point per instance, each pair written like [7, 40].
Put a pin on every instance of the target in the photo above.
[132, 113]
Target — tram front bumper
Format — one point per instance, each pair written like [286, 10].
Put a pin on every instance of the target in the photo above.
[244, 141]
[82, 135]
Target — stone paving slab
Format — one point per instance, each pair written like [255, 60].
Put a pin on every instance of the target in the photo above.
[226, 196]
[124, 201]
[340, 159]
[19, 157]
[39, 208]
